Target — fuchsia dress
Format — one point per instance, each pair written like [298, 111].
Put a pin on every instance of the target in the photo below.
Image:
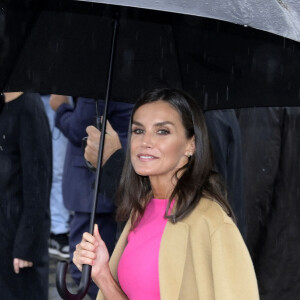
[138, 266]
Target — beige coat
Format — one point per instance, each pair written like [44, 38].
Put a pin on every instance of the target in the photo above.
[201, 257]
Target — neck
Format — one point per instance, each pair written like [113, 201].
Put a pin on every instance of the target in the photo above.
[161, 189]
[12, 96]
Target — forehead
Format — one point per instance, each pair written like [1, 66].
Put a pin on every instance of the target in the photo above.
[159, 111]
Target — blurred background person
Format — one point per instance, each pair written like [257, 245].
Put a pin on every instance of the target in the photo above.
[271, 172]
[78, 180]
[25, 183]
[225, 137]
[59, 239]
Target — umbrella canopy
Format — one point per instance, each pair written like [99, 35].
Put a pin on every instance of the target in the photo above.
[281, 17]
[63, 47]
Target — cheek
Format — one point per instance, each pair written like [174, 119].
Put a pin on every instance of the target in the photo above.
[175, 154]
[133, 148]
[134, 141]
[172, 149]
[133, 152]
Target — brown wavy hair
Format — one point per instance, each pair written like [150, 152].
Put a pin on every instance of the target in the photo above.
[198, 177]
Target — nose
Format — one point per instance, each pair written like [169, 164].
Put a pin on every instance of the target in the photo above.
[147, 140]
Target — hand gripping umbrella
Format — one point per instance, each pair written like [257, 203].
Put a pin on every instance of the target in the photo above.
[62, 266]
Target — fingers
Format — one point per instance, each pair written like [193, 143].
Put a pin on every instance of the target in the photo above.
[96, 133]
[85, 252]
[96, 233]
[109, 129]
[80, 260]
[93, 131]
[20, 264]
[28, 264]
[112, 143]
[92, 148]
[16, 265]
[83, 257]
[93, 140]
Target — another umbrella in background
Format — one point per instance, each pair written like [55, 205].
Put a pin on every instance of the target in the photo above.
[281, 17]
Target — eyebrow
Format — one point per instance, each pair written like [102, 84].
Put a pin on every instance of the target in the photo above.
[156, 124]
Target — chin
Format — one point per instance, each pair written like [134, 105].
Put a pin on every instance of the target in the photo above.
[143, 172]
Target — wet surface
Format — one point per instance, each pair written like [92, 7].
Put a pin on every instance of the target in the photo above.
[53, 294]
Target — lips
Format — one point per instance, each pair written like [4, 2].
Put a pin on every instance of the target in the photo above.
[146, 157]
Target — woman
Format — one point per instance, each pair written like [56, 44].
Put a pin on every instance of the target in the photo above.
[180, 241]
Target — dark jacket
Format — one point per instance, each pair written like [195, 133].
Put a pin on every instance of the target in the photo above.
[271, 148]
[25, 182]
[225, 138]
[78, 180]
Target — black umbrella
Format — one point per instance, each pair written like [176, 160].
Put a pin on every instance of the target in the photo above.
[63, 47]
[218, 63]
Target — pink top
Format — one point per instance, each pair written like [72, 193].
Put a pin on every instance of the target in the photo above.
[138, 266]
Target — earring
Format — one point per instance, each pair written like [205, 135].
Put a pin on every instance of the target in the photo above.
[188, 154]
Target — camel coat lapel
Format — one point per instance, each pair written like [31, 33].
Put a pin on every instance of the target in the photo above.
[172, 253]
[118, 251]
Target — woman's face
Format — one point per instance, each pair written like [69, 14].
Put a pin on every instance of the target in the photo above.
[159, 145]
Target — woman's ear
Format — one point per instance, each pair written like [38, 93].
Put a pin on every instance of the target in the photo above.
[190, 149]
[193, 145]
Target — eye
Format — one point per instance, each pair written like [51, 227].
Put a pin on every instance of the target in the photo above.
[137, 131]
[163, 131]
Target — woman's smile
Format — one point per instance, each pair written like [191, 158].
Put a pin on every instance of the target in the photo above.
[146, 157]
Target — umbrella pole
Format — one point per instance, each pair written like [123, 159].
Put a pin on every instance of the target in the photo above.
[62, 266]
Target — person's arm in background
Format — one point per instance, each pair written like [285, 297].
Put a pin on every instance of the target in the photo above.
[113, 158]
[64, 110]
[72, 120]
[57, 100]
[111, 144]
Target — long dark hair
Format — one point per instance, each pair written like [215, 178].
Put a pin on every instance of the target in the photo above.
[198, 177]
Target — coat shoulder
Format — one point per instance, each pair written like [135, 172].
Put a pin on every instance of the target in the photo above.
[211, 213]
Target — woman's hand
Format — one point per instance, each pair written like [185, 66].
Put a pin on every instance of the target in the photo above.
[92, 251]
